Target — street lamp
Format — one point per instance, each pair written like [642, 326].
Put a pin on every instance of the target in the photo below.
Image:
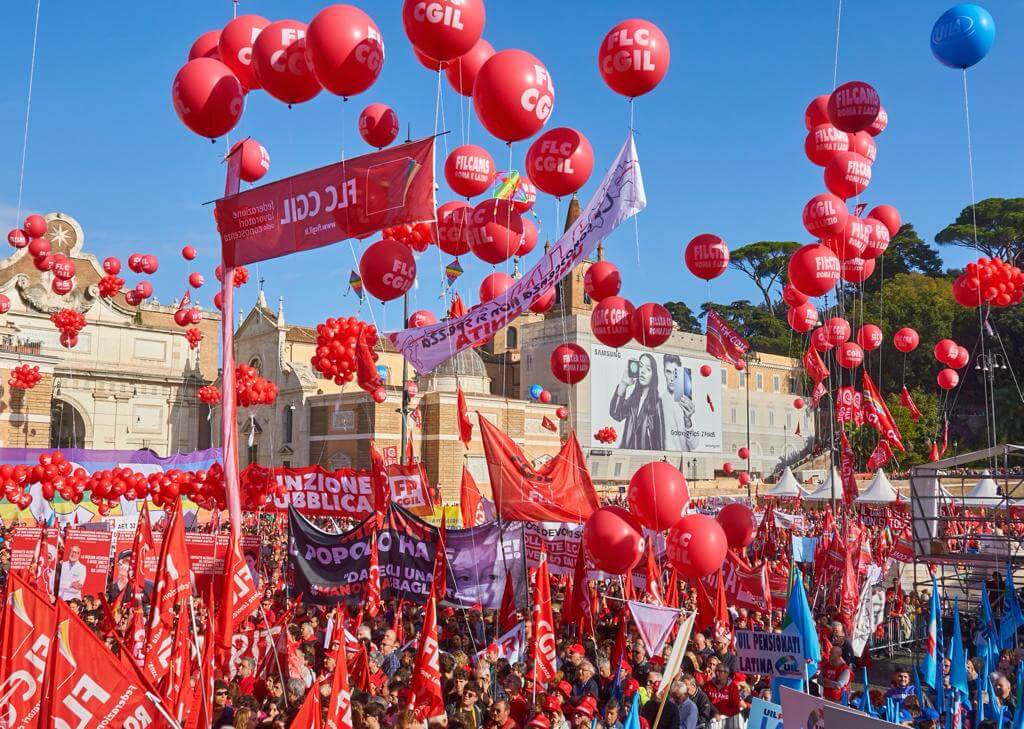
[988, 363]
[749, 357]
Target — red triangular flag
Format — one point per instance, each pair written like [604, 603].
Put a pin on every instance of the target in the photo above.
[542, 624]
[465, 424]
[397, 625]
[239, 600]
[439, 584]
[507, 614]
[339, 710]
[908, 402]
[653, 594]
[578, 609]
[457, 308]
[172, 589]
[470, 502]
[933, 454]
[379, 477]
[308, 715]
[548, 424]
[372, 600]
[426, 698]
[26, 630]
[367, 375]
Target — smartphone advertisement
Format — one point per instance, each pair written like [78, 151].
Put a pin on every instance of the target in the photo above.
[655, 401]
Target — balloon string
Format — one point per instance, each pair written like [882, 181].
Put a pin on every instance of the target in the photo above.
[28, 111]
[835, 63]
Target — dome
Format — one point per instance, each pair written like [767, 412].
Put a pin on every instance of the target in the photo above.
[466, 368]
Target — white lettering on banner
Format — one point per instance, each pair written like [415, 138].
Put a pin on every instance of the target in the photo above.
[620, 196]
[85, 691]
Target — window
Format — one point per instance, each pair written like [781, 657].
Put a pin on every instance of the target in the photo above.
[343, 420]
[725, 377]
[743, 379]
[732, 414]
[254, 453]
[339, 459]
[618, 468]
[287, 464]
[753, 416]
[257, 365]
[772, 450]
[771, 418]
[759, 379]
[511, 337]
[775, 383]
[789, 420]
[792, 385]
[289, 421]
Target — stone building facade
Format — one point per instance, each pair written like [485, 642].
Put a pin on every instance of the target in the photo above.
[131, 381]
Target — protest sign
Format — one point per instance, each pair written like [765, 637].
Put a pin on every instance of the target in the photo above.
[86, 563]
[764, 715]
[478, 560]
[776, 654]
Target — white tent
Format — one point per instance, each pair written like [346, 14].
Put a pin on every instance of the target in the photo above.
[879, 491]
[787, 487]
[984, 493]
[824, 492]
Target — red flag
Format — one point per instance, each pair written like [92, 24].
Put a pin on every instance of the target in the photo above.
[672, 589]
[619, 648]
[653, 594]
[542, 627]
[817, 393]
[877, 413]
[379, 476]
[308, 715]
[846, 468]
[578, 608]
[465, 424]
[933, 454]
[372, 599]
[548, 425]
[26, 632]
[200, 713]
[470, 503]
[339, 710]
[176, 681]
[797, 431]
[850, 591]
[945, 436]
[723, 622]
[239, 600]
[172, 589]
[439, 584]
[908, 402]
[814, 365]
[88, 684]
[366, 370]
[142, 546]
[705, 608]
[360, 673]
[507, 613]
[722, 341]
[457, 308]
[397, 625]
[880, 456]
[426, 698]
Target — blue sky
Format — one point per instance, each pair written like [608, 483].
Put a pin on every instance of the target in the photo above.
[720, 140]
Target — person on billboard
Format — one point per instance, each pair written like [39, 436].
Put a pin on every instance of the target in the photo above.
[72, 575]
[637, 402]
[678, 405]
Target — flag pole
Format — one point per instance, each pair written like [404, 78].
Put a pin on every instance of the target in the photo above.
[228, 412]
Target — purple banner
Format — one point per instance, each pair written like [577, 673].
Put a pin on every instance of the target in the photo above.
[478, 560]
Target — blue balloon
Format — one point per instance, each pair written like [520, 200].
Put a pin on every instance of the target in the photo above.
[382, 373]
[963, 35]
[535, 391]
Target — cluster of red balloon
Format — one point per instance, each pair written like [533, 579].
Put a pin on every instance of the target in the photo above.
[614, 320]
[606, 435]
[24, 377]
[110, 284]
[32, 229]
[209, 394]
[841, 129]
[417, 236]
[253, 389]
[989, 281]
[187, 316]
[194, 337]
[955, 358]
[336, 341]
[69, 323]
[341, 50]
[239, 279]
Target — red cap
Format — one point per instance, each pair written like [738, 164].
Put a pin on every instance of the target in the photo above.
[631, 687]
[539, 722]
[565, 688]
[552, 703]
[578, 649]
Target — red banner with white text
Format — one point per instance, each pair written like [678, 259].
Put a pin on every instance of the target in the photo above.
[350, 199]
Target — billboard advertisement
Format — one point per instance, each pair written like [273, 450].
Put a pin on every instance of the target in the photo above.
[655, 401]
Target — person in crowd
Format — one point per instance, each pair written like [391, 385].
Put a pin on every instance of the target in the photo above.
[723, 693]
[467, 709]
[688, 712]
[223, 713]
[499, 716]
[585, 684]
[612, 717]
[834, 675]
[901, 686]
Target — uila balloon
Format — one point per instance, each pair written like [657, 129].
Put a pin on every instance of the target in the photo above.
[963, 35]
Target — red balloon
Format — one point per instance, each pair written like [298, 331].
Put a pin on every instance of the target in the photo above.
[728, 468]
[513, 95]
[543, 302]
[823, 142]
[207, 97]
[737, 521]
[858, 270]
[453, 227]
[696, 546]
[740, 366]
[469, 170]
[570, 363]
[545, 397]
[657, 495]
[820, 340]
[195, 279]
[388, 269]
[35, 226]
[848, 174]
[905, 340]
[744, 478]
[965, 295]
[495, 231]
[38, 247]
[494, 286]
[255, 160]
[878, 238]
[560, 161]
[5, 304]
[793, 296]
[651, 325]
[613, 540]
[561, 413]
[421, 318]
[18, 238]
[880, 123]
[864, 144]
[948, 379]
[838, 330]
[148, 264]
[62, 267]
[62, 286]
[802, 318]
[889, 216]
[602, 280]
[852, 242]
[611, 321]
[443, 29]
[798, 403]
[345, 50]
[870, 337]
[961, 359]
[188, 253]
[850, 355]
[946, 351]
[743, 453]
[825, 215]
[530, 237]
[378, 125]
[144, 289]
[853, 106]
[279, 61]
[707, 256]
[705, 370]
[633, 57]
[111, 266]
[42, 263]
[462, 71]
[816, 113]
[205, 46]
[814, 269]
[235, 46]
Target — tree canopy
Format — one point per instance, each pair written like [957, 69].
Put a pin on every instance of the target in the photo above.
[1000, 228]
[763, 263]
[683, 316]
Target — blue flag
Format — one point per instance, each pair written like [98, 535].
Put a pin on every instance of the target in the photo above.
[799, 621]
[1013, 617]
[866, 705]
[957, 659]
[987, 637]
[931, 672]
[918, 691]
[1018, 712]
[633, 719]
